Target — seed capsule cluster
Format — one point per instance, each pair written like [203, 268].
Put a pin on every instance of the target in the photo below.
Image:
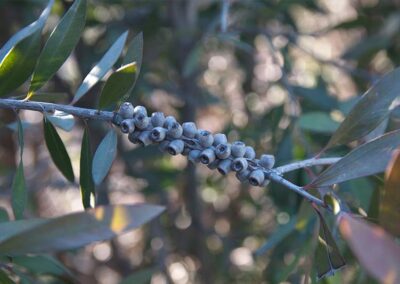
[200, 146]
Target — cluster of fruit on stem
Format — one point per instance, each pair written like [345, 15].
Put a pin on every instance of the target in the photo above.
[198, 145]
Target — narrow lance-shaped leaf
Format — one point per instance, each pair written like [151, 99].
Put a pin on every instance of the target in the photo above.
[42, 264]
[118, 85]
[370, 110]
[104, 156]
[62, 120]
[19, 194]
[367, 159]
[57, 150]
[101, 68]
[389, 211]
[85, 178]
[376, 251]
[73, 230]
[135, 54]
[60, 44]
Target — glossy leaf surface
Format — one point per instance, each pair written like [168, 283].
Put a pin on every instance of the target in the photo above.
[104, 156]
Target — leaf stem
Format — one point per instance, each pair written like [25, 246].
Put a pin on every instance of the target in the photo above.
[306, 164]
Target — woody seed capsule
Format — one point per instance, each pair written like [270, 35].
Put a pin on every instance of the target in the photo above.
[238, 149]
[189, 129]
[243, 175]
[205, 138]
[168, 121]
[224, 166]
[133, 137]
[175, 130]
[207, 156]
[175, 147]
[158, 134]
[126, 110]
[256, 177]
[141, 121]
[194, 156]
[144, 138]
[139, 110]
[267, 161]
[213, 165]
[157, 119]
[223, 151]
[239, 164]
[220, 138]
[163, 146]
[128, 125]
[249, 153]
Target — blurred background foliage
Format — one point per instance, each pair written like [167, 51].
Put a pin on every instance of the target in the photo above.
[278, 75]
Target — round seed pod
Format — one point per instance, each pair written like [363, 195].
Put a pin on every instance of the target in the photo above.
[144, 138]
[157, 119]
[220, 138]
[267, 161]
[168, 121]
[141, 121]
[207, 156]
[163, 146]
[256, 177]
[205, 138]
[133, 137]
[186, 151]
[128, 125]
[139, 110]
[189, 129]
[117, 119]
[175, 130]
[224, 166]
[175, 147]
[158, 134]
[239, 164]
[223, 151]
[238, 149]
[194, 156]
[243, 175]
[126, 110]
[249, 152]
[213, 165]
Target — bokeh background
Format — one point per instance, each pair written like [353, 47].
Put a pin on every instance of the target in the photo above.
[278, 75]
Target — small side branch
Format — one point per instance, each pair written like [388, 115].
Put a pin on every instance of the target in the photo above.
[306, 164]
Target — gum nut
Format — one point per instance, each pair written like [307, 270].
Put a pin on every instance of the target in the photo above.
[213, 165]
[243, 175]
[126, 110]
[163, 146]
[128, 125]
[158, 134]
[256, 177]
[117, 119]
[157, 119]
[186, 151]
[239, 164]
[220, 138]
[267, 161]
[223, 151]
[194, 156]
[207, 156]
[237, 149]
[224, 166]
[205, 138]
[144, 138]
[249, 153]
[141, 121]
[140, 110]
[175, 147]
[133, 137]
[175, 130]
[168, 121]
[189, 129]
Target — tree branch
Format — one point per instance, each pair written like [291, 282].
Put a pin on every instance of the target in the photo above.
[306, 164]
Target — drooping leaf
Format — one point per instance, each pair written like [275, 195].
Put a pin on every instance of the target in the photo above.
[102, 67]
[27, 31]
[85, 177]
[104, 156]
[19, 195]
[327, 255]
[139, 277]
[367, 159]
[389, 213]
[135, 52]
[3, 215]
[376, 251]
[73, 230]
[118, 85]
[62, 120]
[42, 264]
[60, 44]
[57, 150]
[370, 110]
[318, 122]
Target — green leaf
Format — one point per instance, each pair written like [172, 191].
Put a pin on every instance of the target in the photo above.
[370, 110]
[318, 122]
[389, 213]
[5, 278]
[367, 159]
[62, 120]
[3, 215]
[19, 194]
[135, 52]
[140, 277]
[376, 251]
[42, 264]
[102, 67]
[27, 31]
[85, 177]
[74, 230]
[118, 85]
[327, 255]
[104, 156]
[57, 150]
[60, 44]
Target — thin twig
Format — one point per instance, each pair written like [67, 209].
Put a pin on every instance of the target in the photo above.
[306, 164]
